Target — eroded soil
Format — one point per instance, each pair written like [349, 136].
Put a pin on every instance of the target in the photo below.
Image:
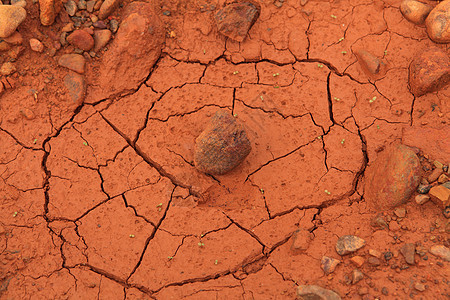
[103, 200]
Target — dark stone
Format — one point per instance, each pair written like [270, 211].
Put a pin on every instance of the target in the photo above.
[236, 19]
[424, 188]
[222, 145]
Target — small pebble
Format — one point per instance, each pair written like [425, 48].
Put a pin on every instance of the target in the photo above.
[7, 68]
[349, 243]
[114, 25]
[419, 286]
[357, 275]
[423, 188]
[400, 212]
[421, 199]
[329, 264]
[408, 250]
[357, 260]
[36, 45]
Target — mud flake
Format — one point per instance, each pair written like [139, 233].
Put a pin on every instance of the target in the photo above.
[267, 283]
[226, 74]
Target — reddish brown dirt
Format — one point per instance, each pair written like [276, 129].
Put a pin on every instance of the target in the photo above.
[103, 201]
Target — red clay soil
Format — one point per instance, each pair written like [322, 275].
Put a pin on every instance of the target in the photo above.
[102, 200]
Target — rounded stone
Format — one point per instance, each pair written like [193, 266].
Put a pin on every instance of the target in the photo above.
[11, 16]
[107, 8]
[74, 62]
[222, 145]
[392, 177]
[438, 23]
[36, 45]
[415, 11]
[81, 40]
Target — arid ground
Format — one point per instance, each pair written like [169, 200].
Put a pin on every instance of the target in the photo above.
[99, 194]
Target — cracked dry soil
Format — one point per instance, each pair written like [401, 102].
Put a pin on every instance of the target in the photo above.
[102, 200]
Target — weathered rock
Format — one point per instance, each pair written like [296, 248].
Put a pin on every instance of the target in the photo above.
[76, 87]
[438, 23]
[349, 243]
[415, 11]
[434, 175]
[329, 264]
[440, 251]
[236, 19]
[369, 62]
[107, 8]
[373, 261]
[429, 71]
[357, 260]
[375, 253]
[443, 178]
[90, 5]
[400, 212]
[101, 38]
[392, 178]
[424, 188]
[71, 7]
[7, 68]
[48, 11]
[408, 250]
[114, 25]
[440, 195]
[422, 199]
[300, 241]
[134, 51]
[11, 16]
[315, 292]
[419, 286]
[14, 39]
[74, 62]
[357, 276]
[81, 40]
[222, 146]
[36, 45]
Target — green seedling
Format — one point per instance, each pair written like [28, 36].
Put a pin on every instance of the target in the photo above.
[170, 257]
[344, 52]
[262, 191]
[200, 244]
[337, 99]
[333, 16]
[378, 126]
[235, 115]
[385, 52]
[276, 74]
[15, 214]
[235, 72]
[373, 99]
[132, 236]
[327, 192]
[341, 39]
[319, 137]
[262, 98]
[159, 206]
[84, 143]
[343, 141]
[202, 235]
[216, 261]
[276, 86]
[34, 141]
[319, 65]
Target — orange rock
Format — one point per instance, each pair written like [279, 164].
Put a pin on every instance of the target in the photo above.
[357, 260]
[415, 11]
[440, 195]
[438, 23]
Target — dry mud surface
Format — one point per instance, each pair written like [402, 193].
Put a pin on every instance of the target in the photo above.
[102, 199]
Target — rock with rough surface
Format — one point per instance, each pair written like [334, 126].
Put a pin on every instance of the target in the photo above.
[74, 62]
[76, 88]
[81, 40]
[369, 62]
[440, 195]
[222, 146]
[392, 177]
[429, 71]
[11, 16]
[438, 23]
[107, 8]
[440, 251]
[236, 19]
[36, 45]
[49, 9]
[408, 250]
[329, 264]
[101, 38]
[133, 52]
[315, 292]
[415, 11]
[348, 244]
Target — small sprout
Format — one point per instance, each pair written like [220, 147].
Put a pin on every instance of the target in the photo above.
[216, 261]
[262, 98]
[276, 86]
[202, 235]
[261, 190]
[132, 236]
[378, 126]
[373, 99]
[341, 39]
[385, 52]
[34, 141]
[342, 142]
[15, 214]
[344, 52]
[84, 143]
[333, 16]
[200, 244]
[319, 137]
[169, 257]
[159, 206]
[204, 51]
[319, 65]
[235, 115]
[327, 192]
[337, 99]
[235, 72]
[276, 74]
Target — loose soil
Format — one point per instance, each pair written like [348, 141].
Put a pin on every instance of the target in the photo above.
[102, 200]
